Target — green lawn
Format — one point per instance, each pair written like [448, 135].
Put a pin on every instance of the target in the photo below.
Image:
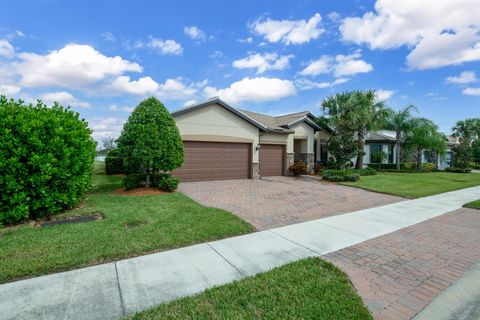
[474, 204]
[415, 185]
[132, 226]
[307, 289]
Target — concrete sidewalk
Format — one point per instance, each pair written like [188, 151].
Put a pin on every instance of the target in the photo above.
[113, 290]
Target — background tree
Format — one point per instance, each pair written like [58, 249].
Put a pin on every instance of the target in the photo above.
[424, 135]
[150, 141]
[108, 144]
[401, 122]
[466, 132]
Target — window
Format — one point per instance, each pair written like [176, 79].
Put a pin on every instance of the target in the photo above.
[390, 153]
[376, 154]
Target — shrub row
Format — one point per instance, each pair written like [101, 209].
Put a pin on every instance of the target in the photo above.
[114, 162]
[340, 175]
[458, 170]
[46, 160]
[405, 167]
[162, 181]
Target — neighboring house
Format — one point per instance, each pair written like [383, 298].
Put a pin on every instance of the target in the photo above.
[448, 159]
[223, 142]
[380, 147]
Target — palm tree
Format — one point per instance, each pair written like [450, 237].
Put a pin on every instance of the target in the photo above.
[424, 135]
[359, 111]
[400, 122]
[369, 114]
[465, 130]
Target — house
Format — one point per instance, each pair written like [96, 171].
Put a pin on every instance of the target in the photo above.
[448, 160]
[380, 147]
[223, 142]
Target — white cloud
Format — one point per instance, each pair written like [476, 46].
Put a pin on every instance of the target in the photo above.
[6, 49]
[254, 89]
[103, 127]
[464, 78]
[140, 87]
[9, 90]
[64, 98]
[334, 16]
[263, 62]
[189, 102]
[384, 95]
[177, 89]
[108, 36]
[348, 65]
[305, 84]
[164, 46]
[289, 31]
[439, 32]
[246, 40]
[319, 66]
[340, 65]
[216, 54]
[73, 66]
[472, 91]
[194, 33]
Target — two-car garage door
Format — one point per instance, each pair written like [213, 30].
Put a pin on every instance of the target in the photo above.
[215, 161]
[227, 160]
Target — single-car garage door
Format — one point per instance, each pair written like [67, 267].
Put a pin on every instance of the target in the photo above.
[271, 160]
[215, 161]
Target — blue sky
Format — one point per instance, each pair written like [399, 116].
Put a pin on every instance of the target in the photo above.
[104, 57]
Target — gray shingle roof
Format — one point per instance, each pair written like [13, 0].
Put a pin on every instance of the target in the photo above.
[374, 136]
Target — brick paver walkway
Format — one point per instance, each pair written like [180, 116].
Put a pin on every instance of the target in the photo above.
[280, 201]
[398, 274]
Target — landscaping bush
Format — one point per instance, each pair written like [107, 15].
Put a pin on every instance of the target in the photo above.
[366, 172]
[340, 175]
[162, 181]
[382, 166]
[114, 162]
[298, 168]
[408, 165]
[165, 182]
[428, 167]
[458, 170]
[46, 160]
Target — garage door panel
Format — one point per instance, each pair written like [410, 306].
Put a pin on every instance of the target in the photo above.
[215, 161]
[271, 160]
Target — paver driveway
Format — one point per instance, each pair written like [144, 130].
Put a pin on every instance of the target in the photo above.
[280, 201]
[399, 273]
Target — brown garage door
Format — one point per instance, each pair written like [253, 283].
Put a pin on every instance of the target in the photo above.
[271, 160]
[215, 161]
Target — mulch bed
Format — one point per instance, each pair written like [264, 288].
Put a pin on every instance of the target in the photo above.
[140, 192]
[69, 220]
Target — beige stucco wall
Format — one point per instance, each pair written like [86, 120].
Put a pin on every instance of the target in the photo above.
[273, 138]
[215, 123]
[302, 131]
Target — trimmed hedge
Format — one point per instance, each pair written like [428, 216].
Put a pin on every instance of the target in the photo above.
[114, 163]
[340, 175]
[405, 167]
[458, 170]
[162, 181]
[46, 160]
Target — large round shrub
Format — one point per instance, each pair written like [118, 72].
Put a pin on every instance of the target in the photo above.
[150, 141]
[46, 158]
